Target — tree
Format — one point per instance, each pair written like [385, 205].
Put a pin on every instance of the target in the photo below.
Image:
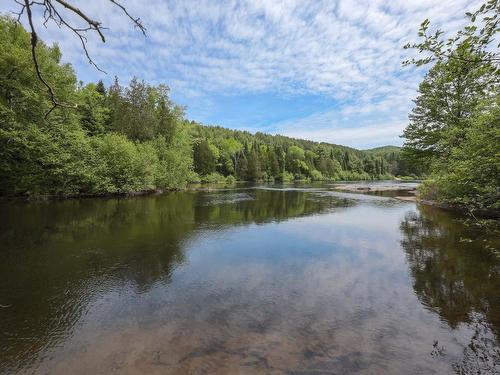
[141, 111]
[273, 163]
[470, 176]
[253, 165]
[472, 40]
[294, 159]
[78, 151]
[93, 111]
[466, 71]
[241, 166]
[447, 99]
[100, 88]
[169, 115]
[204, 160]
[453, 129]
[23, 97]
[229, 148]
[115, 104]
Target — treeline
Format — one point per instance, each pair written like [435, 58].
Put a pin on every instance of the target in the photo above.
[220, 152]
[123, 139]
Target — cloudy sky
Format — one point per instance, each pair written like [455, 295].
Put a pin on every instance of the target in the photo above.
[326, 70]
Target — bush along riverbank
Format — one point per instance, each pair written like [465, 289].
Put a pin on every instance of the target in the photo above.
[133, 139]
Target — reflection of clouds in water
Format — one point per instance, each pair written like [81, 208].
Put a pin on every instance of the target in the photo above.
[360, 228]
[339, 308]
[333, 272]
[360, 267]
[344, 296]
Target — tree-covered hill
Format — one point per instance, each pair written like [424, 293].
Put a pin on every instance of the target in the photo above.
[384, 149]
[249, 156]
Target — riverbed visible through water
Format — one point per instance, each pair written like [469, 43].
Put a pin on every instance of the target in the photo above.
[260, 279]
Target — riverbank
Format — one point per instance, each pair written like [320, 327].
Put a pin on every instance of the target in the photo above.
[401, 190]
[476, 212]
[374, 188]
[411, 194]
[57, 197]
[406, 191]
[194, 185]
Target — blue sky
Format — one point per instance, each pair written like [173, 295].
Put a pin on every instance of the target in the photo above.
[322, 70]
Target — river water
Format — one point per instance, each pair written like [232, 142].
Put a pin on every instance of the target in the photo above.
[264, 279]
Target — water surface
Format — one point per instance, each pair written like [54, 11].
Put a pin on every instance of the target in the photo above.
[251, 280]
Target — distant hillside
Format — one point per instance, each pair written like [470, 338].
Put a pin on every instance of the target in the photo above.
[270, 138]
[384, 149]
[248, 156]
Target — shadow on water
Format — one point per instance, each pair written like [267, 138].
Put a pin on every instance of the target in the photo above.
[226, 282]
[456, 274]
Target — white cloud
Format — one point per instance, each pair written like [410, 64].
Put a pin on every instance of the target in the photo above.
[328, 127]
[361, 137]
[349, 51]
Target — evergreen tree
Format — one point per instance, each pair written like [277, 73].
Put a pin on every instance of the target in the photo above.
[253, 165]
[100, 88]
[93, 110]
[203, 158]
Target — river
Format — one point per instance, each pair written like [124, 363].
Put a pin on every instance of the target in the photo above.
[263, 279]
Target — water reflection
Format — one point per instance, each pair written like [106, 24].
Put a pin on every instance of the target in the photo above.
[59, 257]
[262, 280]
[456, 274]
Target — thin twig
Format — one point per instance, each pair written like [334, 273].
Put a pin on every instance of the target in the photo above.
[34, 41]
[137, 21]
[50, 12]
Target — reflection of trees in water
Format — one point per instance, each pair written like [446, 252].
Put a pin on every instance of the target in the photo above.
[455, 275]
[58, 257]
[482, 354]
[261, 206]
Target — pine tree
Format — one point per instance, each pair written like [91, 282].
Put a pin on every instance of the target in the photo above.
[253, 166]
[100, 88]
[203, 159]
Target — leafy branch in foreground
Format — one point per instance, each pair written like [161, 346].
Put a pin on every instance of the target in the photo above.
[474, 40]
[453, 129]
[52, 10]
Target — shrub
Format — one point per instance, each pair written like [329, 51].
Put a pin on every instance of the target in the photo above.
[286, 177]
[213, 178]
[121, 168]
[316, 175]
[38, 161]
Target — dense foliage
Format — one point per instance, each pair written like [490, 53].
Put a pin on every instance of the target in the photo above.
[263, 157]
[124, 139]
[454, 129]
[119, 140]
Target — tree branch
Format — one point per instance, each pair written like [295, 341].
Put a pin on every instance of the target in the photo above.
[34, 41]
[93, 24]
[137, 21]
[52, 13]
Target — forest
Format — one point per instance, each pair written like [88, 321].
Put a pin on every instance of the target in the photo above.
[129, 139]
